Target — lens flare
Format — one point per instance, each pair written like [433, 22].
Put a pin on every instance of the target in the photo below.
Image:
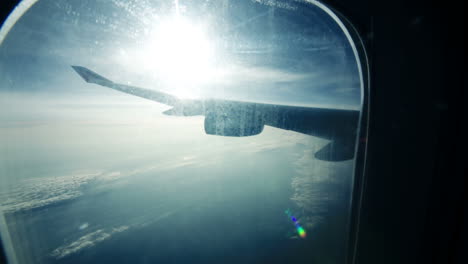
[300, 230]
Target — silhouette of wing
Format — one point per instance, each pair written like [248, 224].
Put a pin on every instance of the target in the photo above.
[238, 119]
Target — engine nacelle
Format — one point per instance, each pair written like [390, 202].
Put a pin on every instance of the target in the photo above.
[233, 123]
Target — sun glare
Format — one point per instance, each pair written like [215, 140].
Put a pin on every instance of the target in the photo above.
[180, 55]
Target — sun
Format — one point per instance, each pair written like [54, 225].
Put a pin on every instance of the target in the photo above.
[180, 54]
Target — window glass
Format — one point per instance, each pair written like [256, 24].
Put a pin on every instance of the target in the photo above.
[244, 152]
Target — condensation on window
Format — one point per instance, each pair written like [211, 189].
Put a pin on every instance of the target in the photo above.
[177, 132]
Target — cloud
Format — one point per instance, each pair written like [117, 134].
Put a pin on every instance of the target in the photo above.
[95, 237]
[36, 193]
[87, 241]
[39, 192]
[318, 185]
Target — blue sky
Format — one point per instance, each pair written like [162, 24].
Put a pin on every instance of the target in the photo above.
[291, 55]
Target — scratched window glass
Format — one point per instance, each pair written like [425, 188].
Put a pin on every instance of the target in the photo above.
[177, 132]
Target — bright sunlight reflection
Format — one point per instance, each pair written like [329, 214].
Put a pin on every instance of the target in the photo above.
[179, 54]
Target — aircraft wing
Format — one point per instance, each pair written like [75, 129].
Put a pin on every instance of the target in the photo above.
[238, 119]
[92, 77]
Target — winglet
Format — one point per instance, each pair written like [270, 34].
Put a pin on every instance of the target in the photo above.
[90, 76]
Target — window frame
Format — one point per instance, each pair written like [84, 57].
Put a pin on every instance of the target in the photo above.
[15, 9]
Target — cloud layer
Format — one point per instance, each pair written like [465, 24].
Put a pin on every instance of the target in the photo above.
[40, 192]
[86, 241]
[319, 186]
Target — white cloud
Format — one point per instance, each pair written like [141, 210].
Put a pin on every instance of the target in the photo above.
[95, 237]
[86, 241]
[39, 192]
[318, 185]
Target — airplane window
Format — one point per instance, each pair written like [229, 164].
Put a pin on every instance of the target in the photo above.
[177, 132]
